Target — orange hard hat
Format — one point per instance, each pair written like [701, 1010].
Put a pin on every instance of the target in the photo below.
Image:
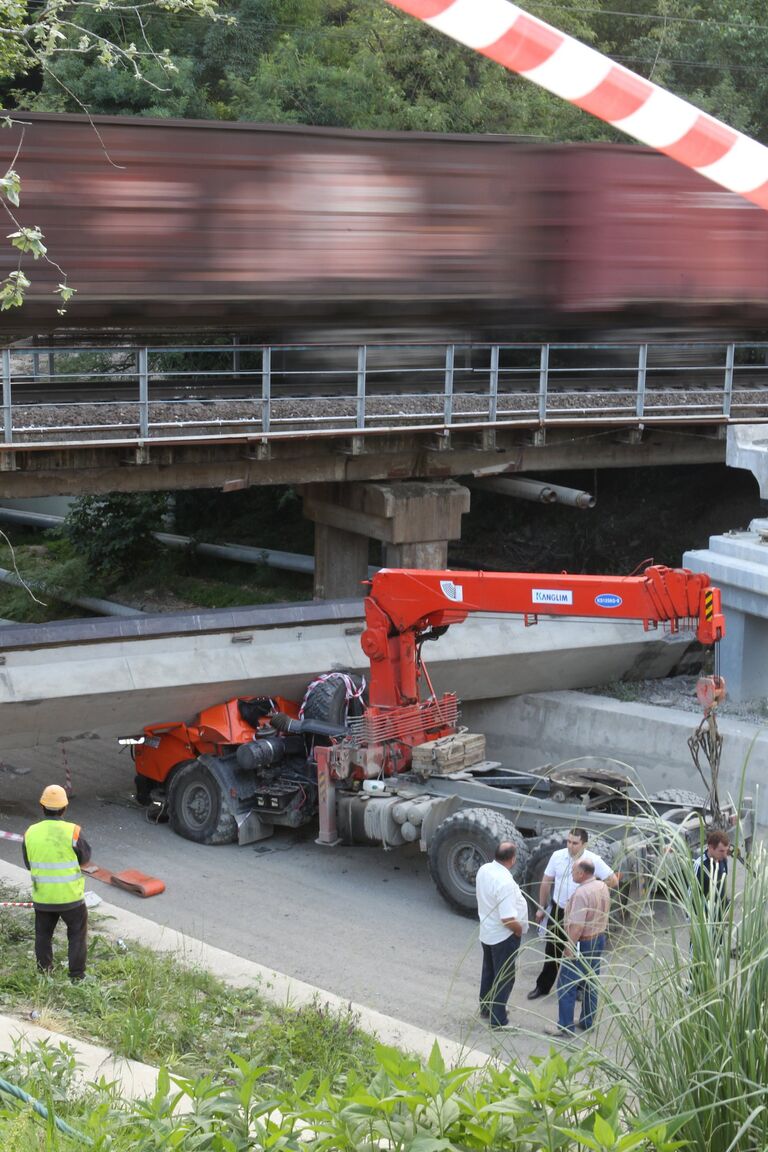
[54, 797]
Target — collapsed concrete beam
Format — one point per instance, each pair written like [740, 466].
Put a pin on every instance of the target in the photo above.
[112, 687]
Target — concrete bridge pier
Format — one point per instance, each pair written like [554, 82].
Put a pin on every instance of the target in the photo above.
[414, 521]
[737, 563]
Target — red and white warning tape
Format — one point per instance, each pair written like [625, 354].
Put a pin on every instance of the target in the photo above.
[11, 836]
[67, 773]
[597, 84]
[16, 904]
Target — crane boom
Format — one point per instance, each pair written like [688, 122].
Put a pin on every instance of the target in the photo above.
[405, 606]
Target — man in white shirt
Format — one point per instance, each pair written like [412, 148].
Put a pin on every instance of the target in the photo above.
[557, 887]
[503, 916]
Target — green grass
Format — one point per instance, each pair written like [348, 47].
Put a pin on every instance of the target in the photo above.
[146, 1006]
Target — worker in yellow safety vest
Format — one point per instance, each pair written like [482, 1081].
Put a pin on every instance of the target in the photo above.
[53, 851]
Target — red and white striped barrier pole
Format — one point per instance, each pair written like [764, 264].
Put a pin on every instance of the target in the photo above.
[597, 84]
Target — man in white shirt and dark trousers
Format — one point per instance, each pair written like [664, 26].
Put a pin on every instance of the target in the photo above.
[503, 916]
[557, 887]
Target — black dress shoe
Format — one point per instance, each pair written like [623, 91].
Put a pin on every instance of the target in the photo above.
[535, 993]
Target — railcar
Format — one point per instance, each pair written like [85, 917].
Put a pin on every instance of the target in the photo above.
[294, 233]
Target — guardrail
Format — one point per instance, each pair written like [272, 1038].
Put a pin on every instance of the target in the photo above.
[139, 394]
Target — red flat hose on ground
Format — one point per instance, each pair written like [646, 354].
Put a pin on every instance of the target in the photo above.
[129, 879]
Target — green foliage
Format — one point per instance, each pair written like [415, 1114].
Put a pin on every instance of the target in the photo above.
[268, 517]
[406, 1106]
[114, 532]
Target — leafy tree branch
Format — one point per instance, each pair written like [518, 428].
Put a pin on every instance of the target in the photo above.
[32, 37]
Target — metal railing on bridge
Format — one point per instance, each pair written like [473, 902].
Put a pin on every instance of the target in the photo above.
[164, 393]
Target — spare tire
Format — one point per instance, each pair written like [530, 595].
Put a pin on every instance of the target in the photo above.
[461, 845]
[327, 700]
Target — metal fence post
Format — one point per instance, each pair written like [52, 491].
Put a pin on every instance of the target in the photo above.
[7, 406]
[266, 389]
[730, 356]
[450, 356]
[493, 385]
[143, 370]
[543, 383]
[362, 361]
[642, 370]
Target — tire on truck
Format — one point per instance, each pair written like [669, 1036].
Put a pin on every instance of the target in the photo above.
[461, 844]
[197, 807]
[327, 701]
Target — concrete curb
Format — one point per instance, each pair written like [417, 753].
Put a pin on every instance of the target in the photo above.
[274, 986]
[137, 1081]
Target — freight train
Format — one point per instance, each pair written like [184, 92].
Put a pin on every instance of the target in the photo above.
[289, 232]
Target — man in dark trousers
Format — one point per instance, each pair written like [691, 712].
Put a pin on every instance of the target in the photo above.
[503, 914]
[53, 851]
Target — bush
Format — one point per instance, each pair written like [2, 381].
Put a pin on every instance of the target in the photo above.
[114, 533]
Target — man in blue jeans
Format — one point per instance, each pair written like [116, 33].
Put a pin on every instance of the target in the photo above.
[503, 914]
[585, 923]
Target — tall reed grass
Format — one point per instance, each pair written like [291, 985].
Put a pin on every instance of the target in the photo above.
[685, 1015]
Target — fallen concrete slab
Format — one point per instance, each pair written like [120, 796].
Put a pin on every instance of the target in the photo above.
[58, 690]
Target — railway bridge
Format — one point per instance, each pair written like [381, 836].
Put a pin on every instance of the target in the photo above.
[374, 434]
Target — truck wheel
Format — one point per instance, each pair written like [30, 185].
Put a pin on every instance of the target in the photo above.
[327, 700]
[461, 844]
[540, 849]
[197, 808]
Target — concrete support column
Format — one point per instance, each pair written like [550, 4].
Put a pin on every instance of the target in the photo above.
[414, 521]
[341, 563]
[427, 554]
[747, 448]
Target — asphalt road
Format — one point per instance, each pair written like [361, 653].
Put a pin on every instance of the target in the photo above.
[365, 924]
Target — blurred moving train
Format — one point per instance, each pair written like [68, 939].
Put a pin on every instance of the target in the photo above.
[286, 231]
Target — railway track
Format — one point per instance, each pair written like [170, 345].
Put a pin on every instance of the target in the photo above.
[123, 391]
